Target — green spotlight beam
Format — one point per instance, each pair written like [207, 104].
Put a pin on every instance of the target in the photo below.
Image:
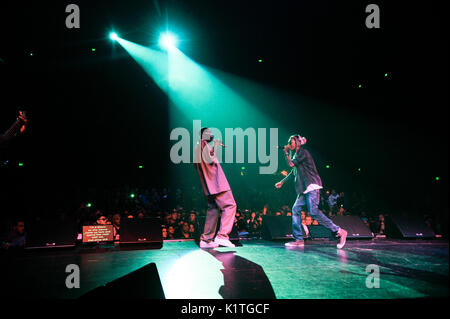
[199, 94]
[194, 90]
[153, 62]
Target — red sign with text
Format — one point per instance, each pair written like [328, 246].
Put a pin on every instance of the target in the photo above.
[98, 233]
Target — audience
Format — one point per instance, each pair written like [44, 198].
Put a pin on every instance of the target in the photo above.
[179, 212]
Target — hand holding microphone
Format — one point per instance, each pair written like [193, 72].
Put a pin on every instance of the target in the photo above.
[284, 148]
[303, 140]
[216, 142]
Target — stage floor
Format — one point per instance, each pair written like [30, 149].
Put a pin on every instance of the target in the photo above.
[258, 269]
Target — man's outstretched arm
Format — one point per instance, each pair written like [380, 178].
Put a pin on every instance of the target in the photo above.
[288, 177]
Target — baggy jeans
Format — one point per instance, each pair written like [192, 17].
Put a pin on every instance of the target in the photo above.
[219, 202]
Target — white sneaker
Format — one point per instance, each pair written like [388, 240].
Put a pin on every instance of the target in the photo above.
[296, 243]
[343, 234]
[224, 242]
[211, 244]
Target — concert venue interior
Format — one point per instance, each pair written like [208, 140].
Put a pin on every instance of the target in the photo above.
[95, 202]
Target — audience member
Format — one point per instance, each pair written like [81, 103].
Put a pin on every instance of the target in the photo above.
[332, 200]
[116, 224]
[16, 237]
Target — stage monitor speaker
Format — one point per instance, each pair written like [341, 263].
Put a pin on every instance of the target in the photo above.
[319, 232]
[51, 234]
[397, 226]
[234, 235]
[277, 227]
[143, 283]
[355, 227]
[141, 231]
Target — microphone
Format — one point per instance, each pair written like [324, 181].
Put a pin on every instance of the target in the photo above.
[220, 143]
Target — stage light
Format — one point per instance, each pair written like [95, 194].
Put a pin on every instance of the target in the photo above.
[167, 41]
[113, 36]
[132, 195]
[260, 60]
[140, 166]
[327, 166]
[437, 178]
[243, 167]
[359, 169]
[20, 164]
[31, 53]
[385, 75]
[93, 49]
[360, 86]
[88, 205]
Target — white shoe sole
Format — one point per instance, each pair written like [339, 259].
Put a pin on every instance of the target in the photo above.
[340, 246]
[231, 245]
[294, 245]
[209, 246]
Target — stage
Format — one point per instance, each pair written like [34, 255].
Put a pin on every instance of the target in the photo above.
[257, 269]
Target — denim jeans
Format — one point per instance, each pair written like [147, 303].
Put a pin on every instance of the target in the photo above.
[311, 201]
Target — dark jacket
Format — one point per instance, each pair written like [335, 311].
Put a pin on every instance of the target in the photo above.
[305, 171]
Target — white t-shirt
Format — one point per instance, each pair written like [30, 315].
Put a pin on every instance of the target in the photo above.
[312, 187]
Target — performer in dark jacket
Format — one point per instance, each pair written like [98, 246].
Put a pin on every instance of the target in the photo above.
[307, 185]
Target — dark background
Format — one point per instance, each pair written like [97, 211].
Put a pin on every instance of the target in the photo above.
[95, 115]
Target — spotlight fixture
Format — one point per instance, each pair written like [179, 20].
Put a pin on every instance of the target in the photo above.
[167, 41]
[113, 36]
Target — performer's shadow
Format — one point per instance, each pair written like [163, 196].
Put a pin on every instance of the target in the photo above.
[243, 279]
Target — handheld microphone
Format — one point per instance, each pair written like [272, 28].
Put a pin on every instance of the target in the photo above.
[220, 143]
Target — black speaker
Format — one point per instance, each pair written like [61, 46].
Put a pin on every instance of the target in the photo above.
[354, 226]
[277, 227]
[234, 235]
[319, 232]
[141, 231]
[397, 226]
[51, 234]
[143, 283]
